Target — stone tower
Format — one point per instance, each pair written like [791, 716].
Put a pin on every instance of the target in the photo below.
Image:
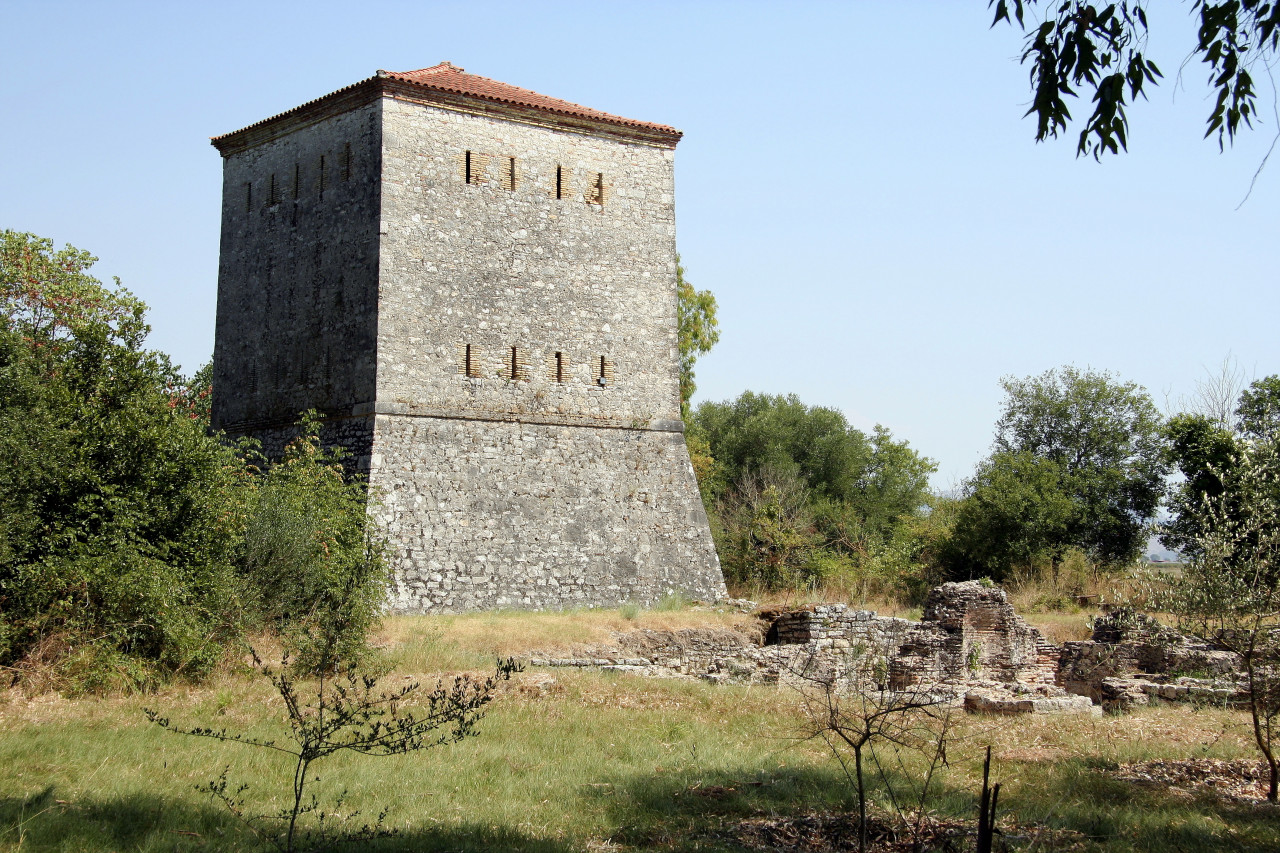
[475, 285]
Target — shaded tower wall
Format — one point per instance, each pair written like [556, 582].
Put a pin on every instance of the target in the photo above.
[298, 280]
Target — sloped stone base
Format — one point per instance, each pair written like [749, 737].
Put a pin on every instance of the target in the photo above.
[492, 514]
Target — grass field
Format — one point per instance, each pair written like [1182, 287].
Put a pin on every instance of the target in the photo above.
[586, 761]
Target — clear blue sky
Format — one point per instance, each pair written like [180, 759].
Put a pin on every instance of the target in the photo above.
[856, 184]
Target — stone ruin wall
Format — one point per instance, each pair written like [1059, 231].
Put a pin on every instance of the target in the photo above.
[969, 647]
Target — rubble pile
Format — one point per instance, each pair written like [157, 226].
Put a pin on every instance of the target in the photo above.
[969, 646]
[1131, 659]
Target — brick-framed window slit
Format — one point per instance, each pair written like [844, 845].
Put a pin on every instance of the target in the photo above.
[517, 367]
[595, 195]
[248, 197]
[559, 371]
[320, 181]
[509, 174]
[562, 185]
[604, 371]
[475, 167]
[346, 161]
[469, 361]
[297, 180]
[273, 197]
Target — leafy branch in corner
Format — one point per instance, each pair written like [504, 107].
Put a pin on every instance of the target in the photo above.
[1103, 47]
[346, 711]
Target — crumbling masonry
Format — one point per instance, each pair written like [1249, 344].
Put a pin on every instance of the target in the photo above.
[969, 647]
[475, 286]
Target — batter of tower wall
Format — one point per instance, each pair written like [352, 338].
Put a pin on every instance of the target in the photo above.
[482, 515]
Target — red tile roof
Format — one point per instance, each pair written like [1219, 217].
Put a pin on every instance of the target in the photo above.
[451, 81]
[447, 77]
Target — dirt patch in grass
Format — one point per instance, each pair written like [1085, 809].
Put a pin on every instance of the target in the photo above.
[837, 832]
[1241, 779]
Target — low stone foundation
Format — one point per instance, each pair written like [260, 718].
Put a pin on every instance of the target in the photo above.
[970, 648]
[1132, 659]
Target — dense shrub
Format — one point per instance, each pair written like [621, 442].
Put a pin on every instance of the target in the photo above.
[311, 571]
[132, 543]
[799, 498]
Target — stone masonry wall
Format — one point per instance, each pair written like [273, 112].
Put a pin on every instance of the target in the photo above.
[298, 274]
[839, 627]
[483, 305]
[353, 434]
[485, 514]
[495, 266]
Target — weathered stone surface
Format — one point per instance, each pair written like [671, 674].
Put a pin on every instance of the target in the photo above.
[492, 514]
[971, 628]
[480, 299]
[1132, 659]
[987, 700]
[970, 649]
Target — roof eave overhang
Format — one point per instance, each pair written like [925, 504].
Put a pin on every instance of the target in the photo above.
[366, 91]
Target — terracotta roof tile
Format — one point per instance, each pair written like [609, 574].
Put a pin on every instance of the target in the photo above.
[450, 79]
[447, 77]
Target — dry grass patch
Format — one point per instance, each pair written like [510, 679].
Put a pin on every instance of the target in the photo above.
[572, 760]
[462, 641]
[1059, 627]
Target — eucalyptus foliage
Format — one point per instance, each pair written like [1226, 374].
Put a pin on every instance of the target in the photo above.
[1101, 50]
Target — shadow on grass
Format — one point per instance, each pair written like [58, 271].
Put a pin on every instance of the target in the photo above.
[151, 824]
[683, 812]
[1124, 815]
[689, 809]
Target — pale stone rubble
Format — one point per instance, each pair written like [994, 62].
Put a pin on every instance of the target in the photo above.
[969, 648]
[1132, 660]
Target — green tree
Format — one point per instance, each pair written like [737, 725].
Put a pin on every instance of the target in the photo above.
[1229, 593]
[1015, 515]
[118, 516]
[759, 432]
[1204, 451]
[1102, 50]
[768, 538]
[1105, 438]
[698, 332]
[840, 494]
[133, 544]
